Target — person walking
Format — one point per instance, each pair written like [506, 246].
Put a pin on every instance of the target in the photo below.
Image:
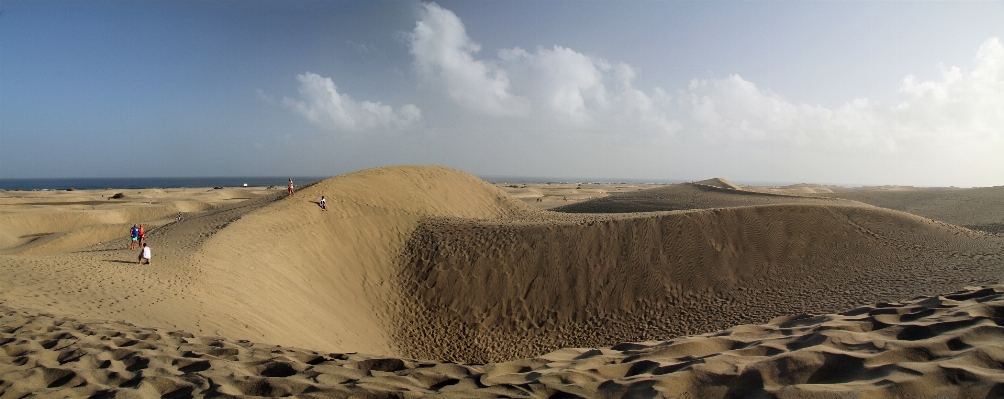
[289, 188]
[134, 236]
[145, 254]
[323, 204]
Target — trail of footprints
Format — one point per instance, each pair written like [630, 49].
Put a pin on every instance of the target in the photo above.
[953, 343]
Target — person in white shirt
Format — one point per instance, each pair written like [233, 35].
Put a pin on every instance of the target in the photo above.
[323, 204]
[145, 255]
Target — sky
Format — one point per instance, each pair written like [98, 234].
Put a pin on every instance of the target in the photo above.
[832, 92]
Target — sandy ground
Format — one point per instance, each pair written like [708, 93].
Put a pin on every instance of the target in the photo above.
[434, 264]
[552, 195]
[943, 346]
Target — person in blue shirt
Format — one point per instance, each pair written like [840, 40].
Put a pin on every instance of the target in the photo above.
[134, 234]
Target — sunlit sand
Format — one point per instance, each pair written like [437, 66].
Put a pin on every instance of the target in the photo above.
[426, 280]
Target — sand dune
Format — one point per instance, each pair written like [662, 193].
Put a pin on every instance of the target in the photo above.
[979, 208]
[59, 221]
[794, 189]
[691, 196]
[719, 183]
[551, 195]
[432, 263]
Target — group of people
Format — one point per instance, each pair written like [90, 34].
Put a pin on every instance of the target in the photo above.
[138, 236]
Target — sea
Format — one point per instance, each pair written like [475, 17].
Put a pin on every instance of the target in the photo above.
[149, 182]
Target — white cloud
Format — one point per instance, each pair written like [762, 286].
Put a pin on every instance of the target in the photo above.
[961, 105]
[572, 102]
[960, 110]
[559, 88]
[444, 54]
[549, 86]
[323, 105]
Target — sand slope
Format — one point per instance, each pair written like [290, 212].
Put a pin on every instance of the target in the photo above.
[512, 289]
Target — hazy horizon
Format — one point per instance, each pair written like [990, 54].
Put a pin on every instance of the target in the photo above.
[67, 182]
[872, 92]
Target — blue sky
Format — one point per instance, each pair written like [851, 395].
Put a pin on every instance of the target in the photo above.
[831, 92]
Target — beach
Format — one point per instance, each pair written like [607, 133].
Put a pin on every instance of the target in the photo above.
[423, 280]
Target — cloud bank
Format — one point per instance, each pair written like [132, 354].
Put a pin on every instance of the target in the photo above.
[323, 105]
[549, 103]
[560, 87]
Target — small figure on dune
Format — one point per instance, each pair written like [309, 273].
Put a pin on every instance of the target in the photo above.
[323, 204]
[178, 218]
[134, 236]
[142, 235]
[289, 188]
[145, 254]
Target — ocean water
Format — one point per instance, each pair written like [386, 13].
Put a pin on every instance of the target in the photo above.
[149, 182]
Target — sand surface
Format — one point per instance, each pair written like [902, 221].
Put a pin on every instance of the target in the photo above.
[943, 346]
[431, 263]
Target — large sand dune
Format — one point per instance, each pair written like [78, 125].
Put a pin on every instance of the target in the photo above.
[432, 263]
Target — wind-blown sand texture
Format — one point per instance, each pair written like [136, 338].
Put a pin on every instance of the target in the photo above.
[944, 346]
[432, 263]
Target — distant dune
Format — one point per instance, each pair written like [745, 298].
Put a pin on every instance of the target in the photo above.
[720, 183]
[688, 196]
[432, 263]
[980, 208]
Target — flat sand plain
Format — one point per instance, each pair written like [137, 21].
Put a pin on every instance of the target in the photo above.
[426, 280]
